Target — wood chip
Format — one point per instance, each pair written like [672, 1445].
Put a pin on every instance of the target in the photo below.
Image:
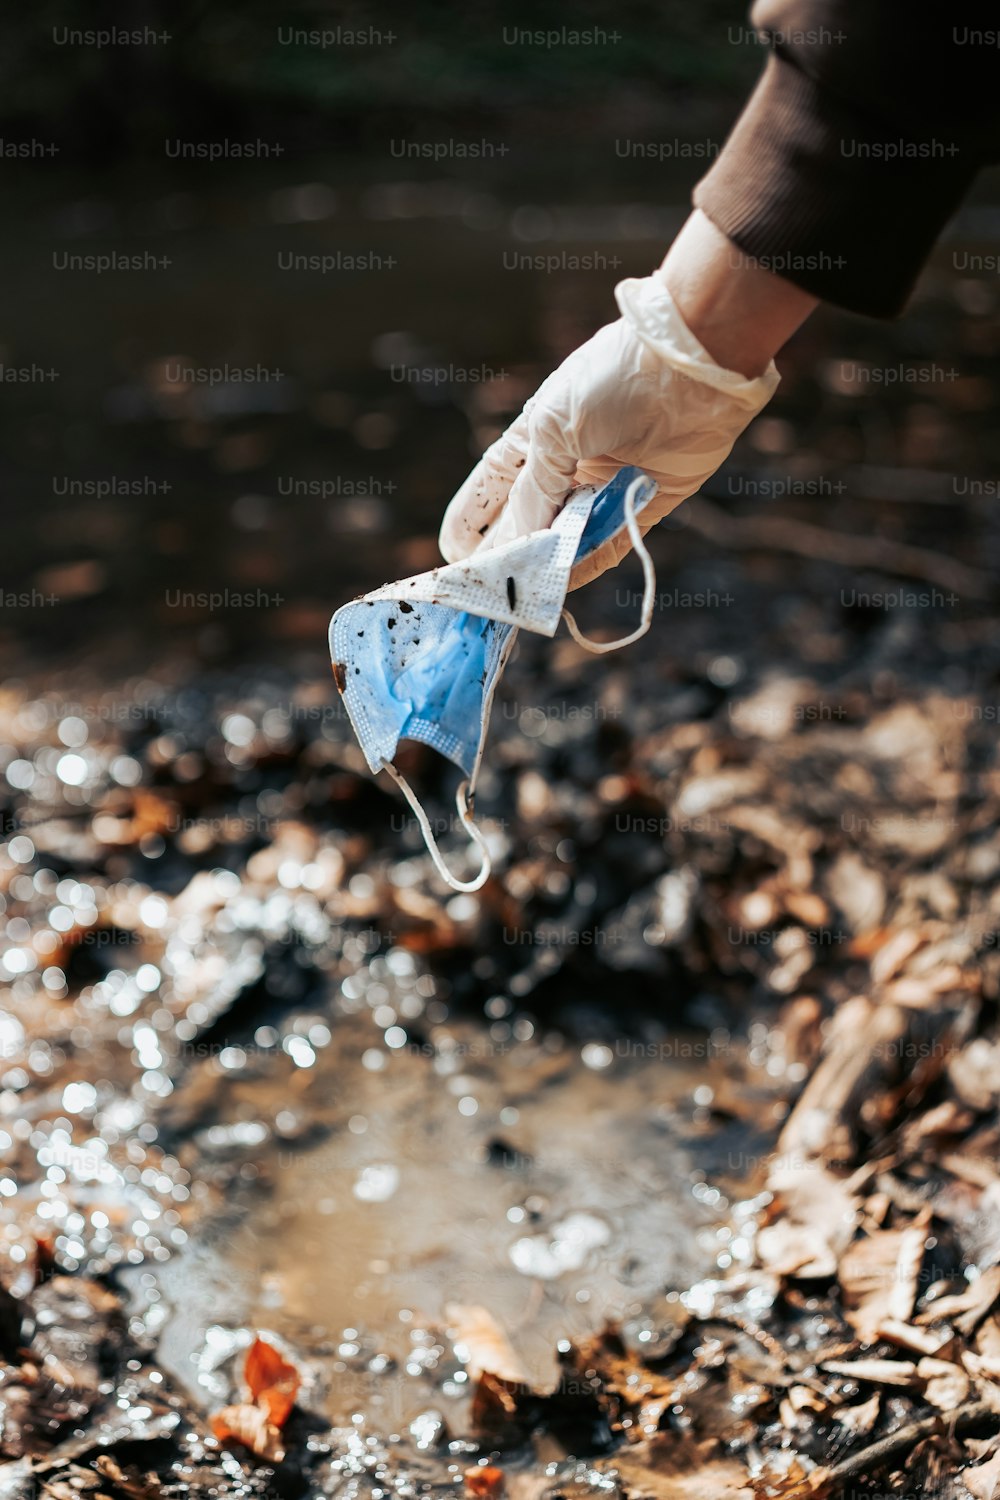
[857, 1056]
[875, 1371]
[892, 955]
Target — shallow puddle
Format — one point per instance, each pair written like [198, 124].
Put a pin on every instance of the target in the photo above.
[544, 1181]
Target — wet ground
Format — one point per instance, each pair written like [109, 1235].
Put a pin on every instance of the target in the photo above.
[282, 1076]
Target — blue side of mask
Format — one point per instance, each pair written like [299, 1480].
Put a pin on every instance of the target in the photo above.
[430, 685]
[427, 672]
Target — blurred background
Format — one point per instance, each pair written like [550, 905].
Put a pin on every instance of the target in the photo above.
[140, 471]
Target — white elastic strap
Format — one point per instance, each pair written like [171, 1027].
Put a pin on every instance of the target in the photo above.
[431, 842]
[649, 589]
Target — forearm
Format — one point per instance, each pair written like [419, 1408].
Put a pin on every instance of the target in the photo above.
[862, 136]
[740, 312]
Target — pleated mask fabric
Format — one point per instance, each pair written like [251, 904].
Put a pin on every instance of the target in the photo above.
[421, 658]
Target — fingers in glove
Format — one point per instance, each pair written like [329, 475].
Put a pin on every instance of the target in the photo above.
[540, 489]
[478, 502]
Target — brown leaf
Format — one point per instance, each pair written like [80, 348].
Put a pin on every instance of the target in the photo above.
[799, 1407]
[272, 1381]
[813, 1218]
[859, 1055]
[975, 1170]
[874, 1371]
[484, 1481]
[637, 1388]
[947, 1384]
[893, 953]
[273, 1384]
[878, 1276]
[981, 1366]
[249, 1425]
[918, 1340]
[944, 1122]
[860, 1418]
[858, 891]
[796, 1250]
[807, 907]
[988, 1338]
[130, 1481]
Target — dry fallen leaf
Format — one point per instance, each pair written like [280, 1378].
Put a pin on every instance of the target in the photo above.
[878, 1276]
[813, 1220]
[799, 1407]
[861, 1418]
[947, 1384]
[918, 1340]
[130, 1481]
[986, 1367]
[875, 1371]
[482, 1344]
[892, 954]
[867, 1274]
[975, 1074]
[795, 1250]
[273, 1384]
[858, 890]
[249, 1425]
[859, 1055]
[272, 1381]
[484, 1482]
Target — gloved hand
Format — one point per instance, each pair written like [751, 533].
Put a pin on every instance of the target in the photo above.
[642, 391]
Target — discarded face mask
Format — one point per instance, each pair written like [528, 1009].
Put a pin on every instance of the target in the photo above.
[421, 659]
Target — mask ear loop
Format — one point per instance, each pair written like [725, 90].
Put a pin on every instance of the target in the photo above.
[649, 588]
[462, 797]
[429, 839]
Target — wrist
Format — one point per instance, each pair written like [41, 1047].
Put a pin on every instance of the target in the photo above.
[740, 312]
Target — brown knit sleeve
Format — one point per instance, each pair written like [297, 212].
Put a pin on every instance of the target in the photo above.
[862, 136]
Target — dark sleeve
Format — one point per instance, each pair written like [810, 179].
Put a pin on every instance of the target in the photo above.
[864, 132]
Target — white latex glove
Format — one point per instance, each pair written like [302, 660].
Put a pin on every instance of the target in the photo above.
[642, 391]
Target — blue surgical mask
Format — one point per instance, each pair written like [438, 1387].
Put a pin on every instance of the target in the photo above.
[421, 659]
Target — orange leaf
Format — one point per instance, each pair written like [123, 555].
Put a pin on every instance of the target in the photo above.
[484, 1482]
[273, 1382]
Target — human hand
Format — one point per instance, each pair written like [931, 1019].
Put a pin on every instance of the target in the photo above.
[645, 391]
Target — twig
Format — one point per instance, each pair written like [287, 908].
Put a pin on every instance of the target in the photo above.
[783, 534]
[878, 1453]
